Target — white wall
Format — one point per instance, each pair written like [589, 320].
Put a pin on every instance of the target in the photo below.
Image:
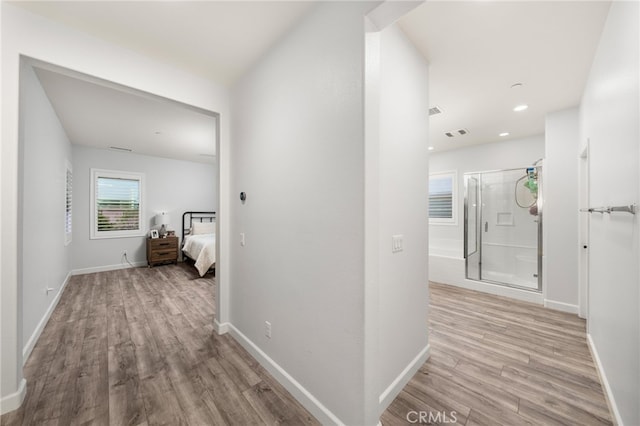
[46, 258]
[30, 35]
[172, 186]
[561, 209]
[298, 155]
[519, 153]
[403, 165]
[609, 121]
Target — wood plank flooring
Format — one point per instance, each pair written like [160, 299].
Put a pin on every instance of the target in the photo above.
[137, 347]
[496, 361]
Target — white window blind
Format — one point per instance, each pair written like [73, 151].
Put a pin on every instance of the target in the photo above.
[117, 204]
[442, 198]
[68, 204]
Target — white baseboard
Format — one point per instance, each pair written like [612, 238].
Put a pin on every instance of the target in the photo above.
[498, 290]
[561, 306]
[221, 328]
[108, 268]
[315, 407]
[31, 343]
[613, 408]
[389, 394]
[13, 401]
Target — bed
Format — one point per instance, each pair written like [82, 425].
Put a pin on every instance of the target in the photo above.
[199, 240]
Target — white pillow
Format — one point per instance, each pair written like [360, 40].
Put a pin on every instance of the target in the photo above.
[198, 228]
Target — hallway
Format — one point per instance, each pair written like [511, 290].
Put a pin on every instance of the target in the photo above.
[500, 361]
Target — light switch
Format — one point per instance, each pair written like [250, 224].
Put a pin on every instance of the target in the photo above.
[396, 243]
[242, 242]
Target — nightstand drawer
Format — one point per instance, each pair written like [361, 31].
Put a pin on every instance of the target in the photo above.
[162, 255]
[162, 250]
[163, 243]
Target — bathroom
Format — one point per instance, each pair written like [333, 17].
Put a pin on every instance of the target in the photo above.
[550, 248]
[492, 218]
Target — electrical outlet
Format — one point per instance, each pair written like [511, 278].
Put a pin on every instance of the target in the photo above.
[267, 329]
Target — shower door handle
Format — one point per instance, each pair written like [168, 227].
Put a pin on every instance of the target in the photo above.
[486, 227]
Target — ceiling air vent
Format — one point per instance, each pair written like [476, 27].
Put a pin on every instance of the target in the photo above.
[460, 132]
[434, 110]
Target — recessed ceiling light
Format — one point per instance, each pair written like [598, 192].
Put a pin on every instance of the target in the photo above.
[504, 134]
[515, 85]
[521, 108]
[431, 148]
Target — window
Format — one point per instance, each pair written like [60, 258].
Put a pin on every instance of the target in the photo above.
[68, 203]
[117, 204]
[442, 198]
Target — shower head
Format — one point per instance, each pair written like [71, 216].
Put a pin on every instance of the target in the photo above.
[535, 163]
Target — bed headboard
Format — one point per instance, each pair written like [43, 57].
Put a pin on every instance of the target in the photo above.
[189, 217]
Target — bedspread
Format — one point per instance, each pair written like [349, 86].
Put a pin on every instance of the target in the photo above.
[202, 249]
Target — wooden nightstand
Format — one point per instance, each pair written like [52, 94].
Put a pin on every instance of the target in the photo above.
[162, 250]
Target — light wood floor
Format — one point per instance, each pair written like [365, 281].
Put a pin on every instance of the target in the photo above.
[137, 346]
[496, 361]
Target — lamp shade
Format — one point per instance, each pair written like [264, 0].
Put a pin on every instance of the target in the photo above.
[162, 219]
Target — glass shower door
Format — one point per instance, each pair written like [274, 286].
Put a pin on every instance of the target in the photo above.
[503, 227]
[472, 226]
[510, 234]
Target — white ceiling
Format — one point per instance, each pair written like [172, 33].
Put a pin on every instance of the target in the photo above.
[103, 115]
[218, 40]
[476, 49]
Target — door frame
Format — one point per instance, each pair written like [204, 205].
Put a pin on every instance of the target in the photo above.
[583, 223]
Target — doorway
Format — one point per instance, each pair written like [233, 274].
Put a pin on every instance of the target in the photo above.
[48, 152]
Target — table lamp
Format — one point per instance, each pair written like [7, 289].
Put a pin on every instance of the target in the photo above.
[162, 219]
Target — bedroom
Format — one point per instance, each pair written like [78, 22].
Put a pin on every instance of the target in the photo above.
[68, 120]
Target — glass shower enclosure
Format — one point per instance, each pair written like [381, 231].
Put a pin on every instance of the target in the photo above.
[503, 227]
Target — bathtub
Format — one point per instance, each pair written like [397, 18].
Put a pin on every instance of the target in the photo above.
[445, 252]
[446, 264]
[445, 247]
